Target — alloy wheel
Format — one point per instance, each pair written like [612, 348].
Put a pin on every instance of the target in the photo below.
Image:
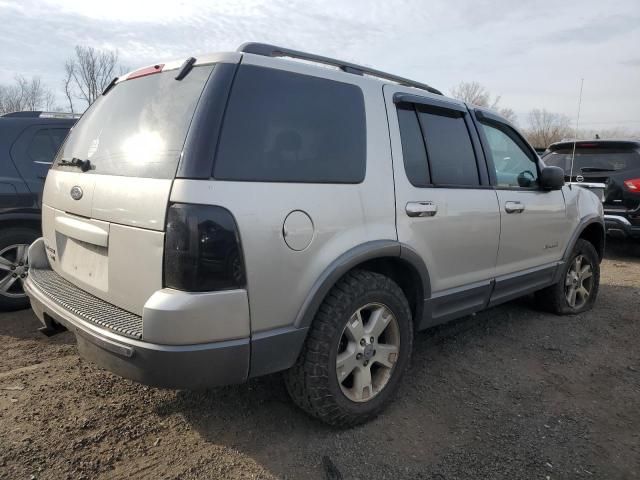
[367, 352]
[579, 282]
[14, 268]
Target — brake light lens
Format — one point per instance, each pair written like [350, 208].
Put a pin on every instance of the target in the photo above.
[202, 249]
[143, 72]
[633, 185]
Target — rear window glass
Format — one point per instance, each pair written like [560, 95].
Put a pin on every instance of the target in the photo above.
[449, 148]
[138, 129]
[593, 160]
[286, 127]
[414, 154]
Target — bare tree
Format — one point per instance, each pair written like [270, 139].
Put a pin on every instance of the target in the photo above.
[25, 94]
[476, 94]
[88, 74]
[547, 127]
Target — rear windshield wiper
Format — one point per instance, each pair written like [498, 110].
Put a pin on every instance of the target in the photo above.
[83, 165]
[596, 169]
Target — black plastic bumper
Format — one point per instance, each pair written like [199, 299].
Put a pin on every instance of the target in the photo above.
[620, 226]
[169, 366]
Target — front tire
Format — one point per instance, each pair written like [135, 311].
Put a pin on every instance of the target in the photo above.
[577, 289]
[14, 243]
[356, 352]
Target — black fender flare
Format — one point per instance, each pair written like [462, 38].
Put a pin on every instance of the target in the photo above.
[582, 226]
[352, 258]
[278, 349]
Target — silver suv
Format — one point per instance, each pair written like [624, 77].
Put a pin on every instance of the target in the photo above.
[240, 214]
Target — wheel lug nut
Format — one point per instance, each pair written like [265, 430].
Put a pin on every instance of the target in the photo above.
[22, 276]
[363, 342]
[371, 340]
[358, 356]
[21, 264]
[366, 362]
[14, 275]
[13, 267]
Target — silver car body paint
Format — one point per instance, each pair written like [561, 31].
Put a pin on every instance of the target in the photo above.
[110, 241]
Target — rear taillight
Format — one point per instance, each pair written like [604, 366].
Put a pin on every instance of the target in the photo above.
[202, 250]
[633, 185]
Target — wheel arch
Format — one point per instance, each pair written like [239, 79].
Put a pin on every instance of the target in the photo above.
[278, 349]
[592, 230]
[387, 257]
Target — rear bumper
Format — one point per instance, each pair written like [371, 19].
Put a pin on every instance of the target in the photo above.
[171, 366]
[620, 226]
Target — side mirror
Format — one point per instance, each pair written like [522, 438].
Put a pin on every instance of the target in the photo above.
[552, 178]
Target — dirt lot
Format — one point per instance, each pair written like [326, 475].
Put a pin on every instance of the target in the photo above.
[510, 393]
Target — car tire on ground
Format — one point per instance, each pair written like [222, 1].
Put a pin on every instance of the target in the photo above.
[356, 352]
[577, 289]
[14, 243]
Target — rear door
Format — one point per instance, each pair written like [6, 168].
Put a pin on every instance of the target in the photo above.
[534, 225]
[445, 208]
[104, 227]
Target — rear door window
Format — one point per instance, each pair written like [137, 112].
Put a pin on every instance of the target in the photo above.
[451, 156]
[436, 147]
[139, 128]
[287, 127]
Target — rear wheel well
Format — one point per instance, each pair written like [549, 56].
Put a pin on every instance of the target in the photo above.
[405, 275]
[594, 234]
[21, 223]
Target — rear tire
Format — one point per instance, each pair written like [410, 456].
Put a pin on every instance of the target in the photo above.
[342, 377]
[577, 289]
[14, 243]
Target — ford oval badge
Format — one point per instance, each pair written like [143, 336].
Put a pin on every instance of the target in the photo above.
[76, 193]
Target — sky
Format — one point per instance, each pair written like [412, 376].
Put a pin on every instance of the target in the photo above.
[532, 54]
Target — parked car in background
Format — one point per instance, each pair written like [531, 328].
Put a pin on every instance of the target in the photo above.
[238, 215]
[612, 163]
[28, 144]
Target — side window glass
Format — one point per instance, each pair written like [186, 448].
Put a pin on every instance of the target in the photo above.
[413, 151]
[513, 167]
[450, 152]
[287, 127]
[40, 148]
[58, 135]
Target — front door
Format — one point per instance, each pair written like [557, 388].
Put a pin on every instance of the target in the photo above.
[445, 208]
[534, 224]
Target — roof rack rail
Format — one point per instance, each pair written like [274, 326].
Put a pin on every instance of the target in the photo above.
[39, 114]
[267, 50]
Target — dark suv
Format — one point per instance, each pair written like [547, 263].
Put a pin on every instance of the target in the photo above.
[616, 164]
[28, 143]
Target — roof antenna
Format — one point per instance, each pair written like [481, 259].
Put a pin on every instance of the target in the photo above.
[575, 136]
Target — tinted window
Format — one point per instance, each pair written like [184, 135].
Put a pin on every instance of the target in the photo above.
[58, 135]
[450, 153]
[41, 148]
[413, 150]
[286, 127]
[138, 129]
[594, 160]
[513, 165]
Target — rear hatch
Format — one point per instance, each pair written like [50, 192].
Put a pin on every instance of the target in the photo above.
[606, 162]
[105, 199]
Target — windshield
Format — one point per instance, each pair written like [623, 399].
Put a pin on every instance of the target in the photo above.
[593, 160]
[139, 128]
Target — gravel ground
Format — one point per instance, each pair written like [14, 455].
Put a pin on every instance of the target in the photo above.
[510, 393]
